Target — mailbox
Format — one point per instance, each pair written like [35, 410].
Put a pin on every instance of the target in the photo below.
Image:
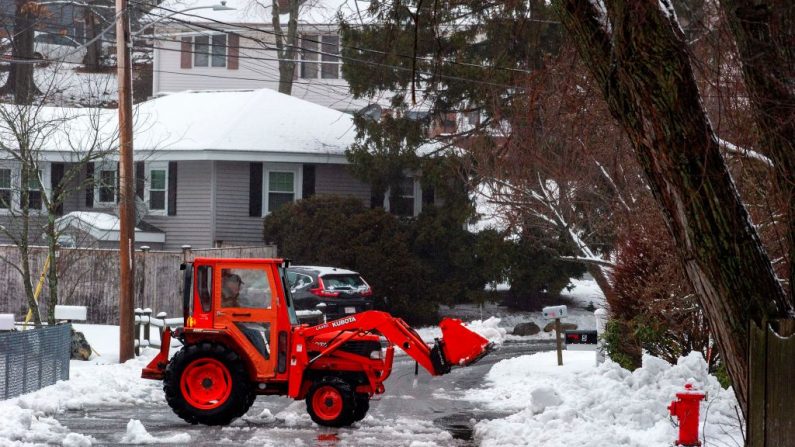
[70, 313]
[580, 340]
[6, 322]
[553, 312]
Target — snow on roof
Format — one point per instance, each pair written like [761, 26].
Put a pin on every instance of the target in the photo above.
[311, 12]
[102, 226]
[263, 120]
[259, 120]
[324, 270]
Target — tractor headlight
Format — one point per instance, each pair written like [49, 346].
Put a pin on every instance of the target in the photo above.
[377, 354]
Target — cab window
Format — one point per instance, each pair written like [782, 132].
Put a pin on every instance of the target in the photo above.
[249, 288]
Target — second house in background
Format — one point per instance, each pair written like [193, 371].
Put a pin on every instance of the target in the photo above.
[235, 48]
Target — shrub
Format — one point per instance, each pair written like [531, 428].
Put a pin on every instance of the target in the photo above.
[342, 232]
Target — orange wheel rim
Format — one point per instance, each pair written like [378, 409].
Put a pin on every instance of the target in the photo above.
[206, 383]
[327, 403]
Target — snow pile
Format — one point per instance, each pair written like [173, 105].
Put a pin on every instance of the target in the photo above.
[27, 419]
[29, 426]
[111, 385]
[137, 434]
[489, 329]
[579, 404]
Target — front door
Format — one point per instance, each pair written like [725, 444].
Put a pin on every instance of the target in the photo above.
[247, 305]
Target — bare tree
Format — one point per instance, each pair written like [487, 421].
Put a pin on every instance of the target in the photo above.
[31, 197]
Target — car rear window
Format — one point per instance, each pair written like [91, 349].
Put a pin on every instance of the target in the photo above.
[332, 282]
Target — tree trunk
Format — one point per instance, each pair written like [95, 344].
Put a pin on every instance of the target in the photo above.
[24, 243]
[93, 51]
[764, 33]
[647, 79]
[20, 79]
[286, 44]
[52, 270]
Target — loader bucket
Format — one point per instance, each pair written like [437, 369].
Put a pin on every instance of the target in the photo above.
[461, 346]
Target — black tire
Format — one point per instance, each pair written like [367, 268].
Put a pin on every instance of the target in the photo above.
[216, 388]
[362, 406]
[330, 402]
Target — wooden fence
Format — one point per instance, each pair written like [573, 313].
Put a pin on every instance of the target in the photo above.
[771, 403]
[89, 277]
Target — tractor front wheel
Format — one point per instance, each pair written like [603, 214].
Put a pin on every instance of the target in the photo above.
[330, 402]
[207, 383]
[362, 406]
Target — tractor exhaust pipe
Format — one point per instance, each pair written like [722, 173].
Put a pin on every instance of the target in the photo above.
[458, 346]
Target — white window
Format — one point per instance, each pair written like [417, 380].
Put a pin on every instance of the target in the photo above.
[157, 188]
[6, 189]
[11, 187]
[209, 50]
[35, 201]
[320, 56]
[281, 186]
[106, 184]
[407, 201]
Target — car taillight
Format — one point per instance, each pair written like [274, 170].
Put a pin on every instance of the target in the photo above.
[366, 292]
[321, 291]
[324, 293]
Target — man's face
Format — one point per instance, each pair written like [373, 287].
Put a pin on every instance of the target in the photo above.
[232, 285]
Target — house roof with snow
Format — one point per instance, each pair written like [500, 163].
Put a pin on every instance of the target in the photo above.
[241, 121]
[253, 125]
[311, 12]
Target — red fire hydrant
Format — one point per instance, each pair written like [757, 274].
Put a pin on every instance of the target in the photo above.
[686, 410]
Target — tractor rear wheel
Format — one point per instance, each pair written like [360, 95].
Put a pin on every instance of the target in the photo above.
[362, 406]
[330, 402]
[207, 384]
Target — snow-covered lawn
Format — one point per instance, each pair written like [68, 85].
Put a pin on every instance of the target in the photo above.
[579, 404]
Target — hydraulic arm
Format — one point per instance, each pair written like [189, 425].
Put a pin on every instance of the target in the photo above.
[458, 346]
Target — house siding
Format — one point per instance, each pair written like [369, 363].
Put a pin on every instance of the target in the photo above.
[233, 225]
[169, 76]
[193, 223]
[336, 180]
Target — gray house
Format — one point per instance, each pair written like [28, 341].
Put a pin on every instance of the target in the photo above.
[209, 166]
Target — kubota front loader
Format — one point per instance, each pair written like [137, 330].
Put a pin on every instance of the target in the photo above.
[241, 338]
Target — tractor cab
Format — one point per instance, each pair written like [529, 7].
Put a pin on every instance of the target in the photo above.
[246, 301]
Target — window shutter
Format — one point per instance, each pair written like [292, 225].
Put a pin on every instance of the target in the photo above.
[255, 190]
[172, 188]
[140, 179]
[90, 185]
[186, 53]
[233, 55]
[308, 185]
[56, 177]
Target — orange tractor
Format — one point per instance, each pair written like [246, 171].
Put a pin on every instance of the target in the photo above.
[241, 338]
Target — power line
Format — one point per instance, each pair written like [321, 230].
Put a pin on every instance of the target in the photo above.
[346, 58]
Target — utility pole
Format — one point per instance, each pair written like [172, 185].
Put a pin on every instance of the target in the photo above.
[126, 191]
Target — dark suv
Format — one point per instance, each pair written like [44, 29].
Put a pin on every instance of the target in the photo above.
[327, 293]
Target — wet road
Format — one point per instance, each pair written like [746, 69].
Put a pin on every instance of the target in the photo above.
[420, 410]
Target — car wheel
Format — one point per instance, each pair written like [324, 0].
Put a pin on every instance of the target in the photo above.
[207, 384]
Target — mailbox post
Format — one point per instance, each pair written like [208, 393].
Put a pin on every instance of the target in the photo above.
[556, 313]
